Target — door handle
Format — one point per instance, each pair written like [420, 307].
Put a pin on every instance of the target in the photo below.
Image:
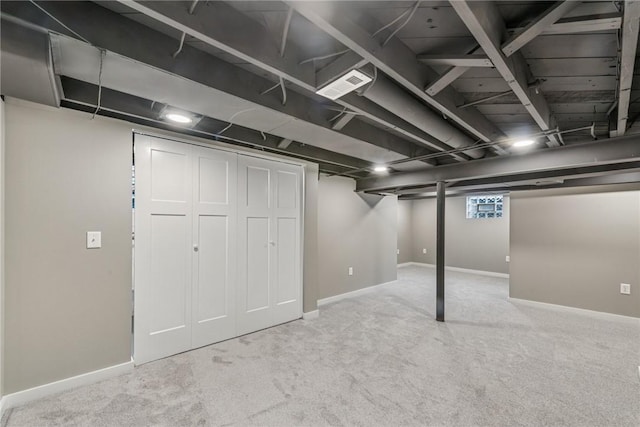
[272, 243]
[195, 248]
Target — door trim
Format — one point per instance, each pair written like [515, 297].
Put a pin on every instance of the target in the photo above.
[226, 147]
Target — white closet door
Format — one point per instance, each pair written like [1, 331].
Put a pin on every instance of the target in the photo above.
[254, 244]
[214, 251]
[217, 250]
[163, 266]
[286, 263]
[269, 281]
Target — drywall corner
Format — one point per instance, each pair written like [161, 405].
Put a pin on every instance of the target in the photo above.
[354, 231]
[473, 244]
[310, 263]
[2, 134]
[405, 232]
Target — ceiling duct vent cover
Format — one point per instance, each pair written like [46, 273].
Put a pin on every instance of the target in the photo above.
[345, 84]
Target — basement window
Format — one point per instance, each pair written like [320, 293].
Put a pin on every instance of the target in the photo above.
[484, 206]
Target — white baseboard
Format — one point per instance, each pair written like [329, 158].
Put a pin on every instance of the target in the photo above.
[419, 264]
[583, 311]
[460, 270]
[478, 272]
[311, 315]
[21, 397]
[1, 407]
[351, 294]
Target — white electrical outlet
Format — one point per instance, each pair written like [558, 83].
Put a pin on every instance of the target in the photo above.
[507, 258]
[350, 271]
[424, 251]
[625, 288]
[94, 239]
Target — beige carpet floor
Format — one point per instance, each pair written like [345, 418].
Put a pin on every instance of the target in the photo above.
[380, 359]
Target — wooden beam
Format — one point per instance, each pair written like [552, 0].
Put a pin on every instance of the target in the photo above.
[627, 61]
[396, 60]
[487, 26]
[456, 60]
[585, 24]
[537, 26]
[446, 79]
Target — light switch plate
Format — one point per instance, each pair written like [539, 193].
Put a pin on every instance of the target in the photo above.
[94, 239]
[507, 258]
[625, 288]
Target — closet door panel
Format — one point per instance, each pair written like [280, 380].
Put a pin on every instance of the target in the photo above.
[286, 271]
[213, 283]
[162, 322]
[169, 263]
[286, 214]
[254, 244]
[257, 286]
[214, 246]
[269, 263]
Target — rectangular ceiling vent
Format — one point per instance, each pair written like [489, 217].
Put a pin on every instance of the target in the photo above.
[345, 84]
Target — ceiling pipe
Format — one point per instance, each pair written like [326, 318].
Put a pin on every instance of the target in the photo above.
[389, 96]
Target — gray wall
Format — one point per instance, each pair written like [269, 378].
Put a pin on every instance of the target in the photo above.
[574, 248]
[405, 235]
[354, 230]
[476, 244]
[68, 309]
[2, 133]
[310, 267]
[423, 231]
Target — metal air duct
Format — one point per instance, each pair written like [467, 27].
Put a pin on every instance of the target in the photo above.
[391, 97]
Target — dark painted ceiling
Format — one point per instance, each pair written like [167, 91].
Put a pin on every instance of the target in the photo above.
[569, 79]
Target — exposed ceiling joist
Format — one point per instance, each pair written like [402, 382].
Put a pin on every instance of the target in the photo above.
[627, 62]
[284, 143]
[452, 74]
[484, 21]
[253, 44]
[137, 109]
[516, 42]
[469, 187]
[155, 49]
[446, 79]
[537, 26]
[584, 24]
[218, 26]
[396, 60]
[620, 153]
[476, 60]
[360, 129]
[342, 121]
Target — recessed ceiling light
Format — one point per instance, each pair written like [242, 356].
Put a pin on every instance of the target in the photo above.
[523, 143]
[380, 168]
[178, 118]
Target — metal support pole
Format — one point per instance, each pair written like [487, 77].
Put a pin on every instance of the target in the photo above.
[440, 190]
